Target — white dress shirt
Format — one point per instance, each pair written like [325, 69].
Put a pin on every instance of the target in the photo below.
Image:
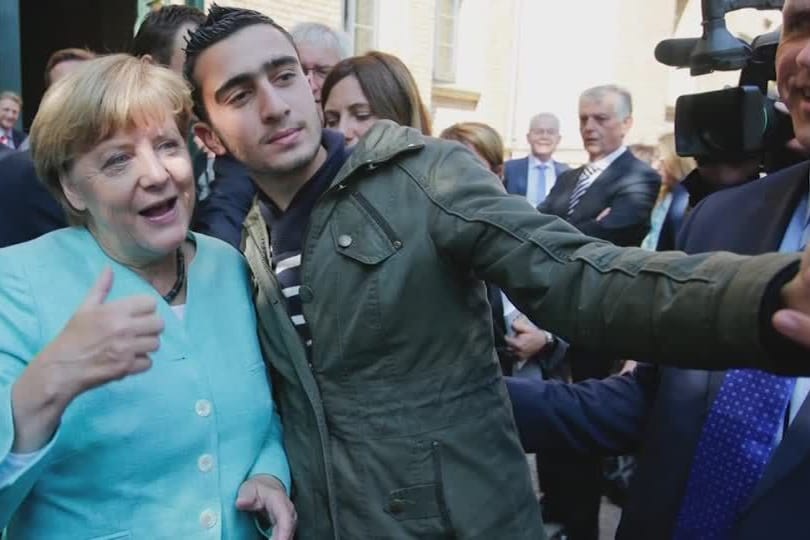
[605, 162]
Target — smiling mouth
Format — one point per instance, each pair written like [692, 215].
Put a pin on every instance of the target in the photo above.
[159, 209]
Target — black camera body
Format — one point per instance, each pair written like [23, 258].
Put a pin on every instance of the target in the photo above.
[733, 124]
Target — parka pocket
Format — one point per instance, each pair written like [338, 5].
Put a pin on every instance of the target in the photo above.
[397, 486]
[360, 232]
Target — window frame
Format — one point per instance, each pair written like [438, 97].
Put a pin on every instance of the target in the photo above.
[450, 75]
[350, 24]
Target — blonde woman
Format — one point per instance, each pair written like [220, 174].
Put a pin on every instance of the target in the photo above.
[672, 169]
[134, 401]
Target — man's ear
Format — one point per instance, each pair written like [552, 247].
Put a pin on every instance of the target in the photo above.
[73, 196]
[628, 124]
[209, 138]
[148, 59]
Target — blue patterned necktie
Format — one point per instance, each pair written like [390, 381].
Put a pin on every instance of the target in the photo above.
[736, 443]
[586, 178]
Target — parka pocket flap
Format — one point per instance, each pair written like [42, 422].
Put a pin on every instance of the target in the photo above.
[361, 233]
[415, 502]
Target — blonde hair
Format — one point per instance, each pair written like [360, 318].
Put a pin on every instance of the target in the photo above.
[482, 137]
[100, 98]
[672, 164]
[8, 94]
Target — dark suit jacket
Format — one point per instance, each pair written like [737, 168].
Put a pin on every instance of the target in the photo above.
[27, 209]
[663, 409]
[516, 174]
[223, 212]
[629, 187]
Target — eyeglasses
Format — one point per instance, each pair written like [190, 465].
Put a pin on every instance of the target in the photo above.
[317, 71]
[541, 131]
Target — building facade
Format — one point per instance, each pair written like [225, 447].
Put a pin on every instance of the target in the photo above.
[502, 62]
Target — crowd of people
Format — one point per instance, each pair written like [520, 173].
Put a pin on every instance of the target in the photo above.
[245, 291]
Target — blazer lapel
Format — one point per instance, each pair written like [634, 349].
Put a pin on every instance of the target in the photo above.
[587, 208]
[520, 177]
[763, 231]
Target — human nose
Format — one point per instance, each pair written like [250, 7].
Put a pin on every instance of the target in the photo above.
[348, 127]
[154, 171]
[272, 106]
[803, 56]
[314, 85]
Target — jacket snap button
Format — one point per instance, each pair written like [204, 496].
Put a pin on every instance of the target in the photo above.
[344, 240]
[397, 506]
[397, 244]
[306, 294]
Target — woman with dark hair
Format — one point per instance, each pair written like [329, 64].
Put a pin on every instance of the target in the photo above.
[363, 89]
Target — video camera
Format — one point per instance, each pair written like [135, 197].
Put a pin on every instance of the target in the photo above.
[734, 123]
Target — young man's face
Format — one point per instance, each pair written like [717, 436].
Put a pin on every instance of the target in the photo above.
[258, 101]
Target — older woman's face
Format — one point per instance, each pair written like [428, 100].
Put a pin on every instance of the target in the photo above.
[347, 110]
[138, 190]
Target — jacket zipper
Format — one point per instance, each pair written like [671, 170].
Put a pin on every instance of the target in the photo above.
[320, 420]
[378, 219]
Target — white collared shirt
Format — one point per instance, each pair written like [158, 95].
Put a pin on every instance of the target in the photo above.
[534, 194]
[607, 161]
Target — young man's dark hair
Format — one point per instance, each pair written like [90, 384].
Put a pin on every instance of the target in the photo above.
[221, 23]
[157, 33]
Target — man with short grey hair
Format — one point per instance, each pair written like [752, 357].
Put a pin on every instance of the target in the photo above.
[319, 48]
[611, 197]
[535, 175]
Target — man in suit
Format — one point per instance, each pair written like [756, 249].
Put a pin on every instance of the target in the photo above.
[724, 454]
[535, 175]
[27, 209]
[664, 411]
[612, 196]
[10, 107]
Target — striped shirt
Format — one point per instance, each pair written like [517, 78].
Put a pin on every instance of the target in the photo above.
[286, 229]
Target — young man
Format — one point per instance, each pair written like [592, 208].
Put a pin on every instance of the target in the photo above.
[368, 270]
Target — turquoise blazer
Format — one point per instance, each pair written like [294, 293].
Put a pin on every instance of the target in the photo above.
[156, 455]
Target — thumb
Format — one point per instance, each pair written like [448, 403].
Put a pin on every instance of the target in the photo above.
[248, 498]
[100, 289]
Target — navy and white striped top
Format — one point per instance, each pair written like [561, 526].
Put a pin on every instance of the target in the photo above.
[287, 228]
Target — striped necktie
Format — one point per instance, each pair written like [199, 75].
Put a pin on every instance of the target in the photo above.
[586, 178]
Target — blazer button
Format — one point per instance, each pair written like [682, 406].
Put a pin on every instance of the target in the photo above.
[208, 518]
[203, 407]
[344, 240]
[306, 294]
